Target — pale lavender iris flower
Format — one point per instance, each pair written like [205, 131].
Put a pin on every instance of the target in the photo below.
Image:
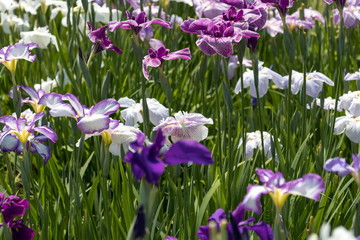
[338, 165]
[185, 126]
[158, 53]
[20, 132]
[89, 120]
[11, 54]
[310, 186]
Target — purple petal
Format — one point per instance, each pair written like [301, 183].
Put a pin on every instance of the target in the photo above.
[94, 123]
[262, 229]
[156, 44]
[48, 132]
[124, 25]
[222, 45]
[13, 206]
[156, 21]
[338, 165]
[74, 101]
[356, 164]
[264, 174]
[310, 186]
[183, 54]
[204, 46]
[31, 92]
[152, 62]
[20, 51]
[105, 107]
[9, 143]
[21, 232]
[41, 149]
[217, 216]
[57, 107]
[185, 151]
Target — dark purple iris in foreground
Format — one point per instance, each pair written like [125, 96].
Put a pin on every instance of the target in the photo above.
[158, 53]
[11, 207]
[150, 162]
[100, 40]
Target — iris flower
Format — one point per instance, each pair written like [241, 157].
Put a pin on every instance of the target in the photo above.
[11, 207]
[239, 227]
[310, 186]
[339, 166]
[352, 76]
[137, 22]
[314, 82]
[185, 126]
[158, 53]
[132, 113]
[35, 97]
[265, 74]
[216, 36]
[150, 162]
[339, 3]
[350, 124]
[100, 40]
[40, 36]
[10, 55]
[89, 120]
[20, 133]
[253, 141]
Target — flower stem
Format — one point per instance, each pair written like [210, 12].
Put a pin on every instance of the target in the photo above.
[16, 96]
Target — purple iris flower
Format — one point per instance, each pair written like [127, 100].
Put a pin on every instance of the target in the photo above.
[239, 227]
[89, 120]
[12, 207]
[20, 132]
[158, 53]
[100, 40]
[310, 186]
[150, 161]
[11, 54]
[35, 97]
[137, 22]
[281, 5]
[339, 166]
[217, 36]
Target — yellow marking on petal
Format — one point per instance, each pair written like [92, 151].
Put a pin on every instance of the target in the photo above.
[307, 78]
[11, 65]
[22, 136]
[106, 136]
[278, 198]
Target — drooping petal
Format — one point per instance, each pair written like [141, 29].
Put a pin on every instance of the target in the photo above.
[310, 186]
[9, 143]
[251, 200]
[41, 149]
[21, 232]
[93, 123]
[48, 132]
[157, 111]
[185, 151]
[156, 21]
[204, 46]
[339, 166]
[222, 45]
[181, 54]
[262, 229]
[74, 101]
[31, 92]
[353, 130]
[356, 164]
[156, 44]
[148, 61]
[105, 107]
[127, 24]
[57, 107]
[126, 102]
[341, 124]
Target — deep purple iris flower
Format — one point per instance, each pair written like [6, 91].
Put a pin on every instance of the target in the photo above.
[218, 35]
[11, 207]
[281, 5]
[158, 53]
[100, 40]
[20, 132]
[238, 228]
[150, 161]
[137, 22]
[89, 120]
